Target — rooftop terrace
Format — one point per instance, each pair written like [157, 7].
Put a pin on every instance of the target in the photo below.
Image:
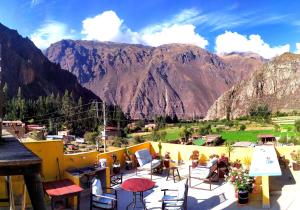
[283, 189]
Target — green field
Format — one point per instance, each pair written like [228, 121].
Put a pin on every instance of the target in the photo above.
[172, 133]
[234, 134]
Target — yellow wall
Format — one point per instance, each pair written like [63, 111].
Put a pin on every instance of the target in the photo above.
[51, 152]
[183, 152]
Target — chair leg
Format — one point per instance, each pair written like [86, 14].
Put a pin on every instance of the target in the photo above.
[178, 174]
[168, 173]
[174, 175]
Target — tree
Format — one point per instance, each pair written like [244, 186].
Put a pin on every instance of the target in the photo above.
[160, 122]
[242, 127]
[90, 137]
[205, 129]
[297, 126]
[261, 112]
[185, 133]
[138, 139]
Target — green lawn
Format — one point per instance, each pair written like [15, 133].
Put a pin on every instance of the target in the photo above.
[250, 135]
[172, 133]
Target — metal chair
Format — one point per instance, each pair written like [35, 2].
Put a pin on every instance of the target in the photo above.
[207, 173]
[146, 162]
[103, 198]
[169, 199]
[176, 202]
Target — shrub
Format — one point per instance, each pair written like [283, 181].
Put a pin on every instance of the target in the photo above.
[90, 137]
[119, 142]
[297, 126]
[282, 140]
[205, 129]
[242, 127]
[138, 139]
[229, 124]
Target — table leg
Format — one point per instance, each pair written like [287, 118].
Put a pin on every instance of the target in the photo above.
[78, 201]
[134, 200]
[52, 203]
[35, 190]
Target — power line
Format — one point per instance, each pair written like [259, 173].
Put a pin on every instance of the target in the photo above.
[58, 111]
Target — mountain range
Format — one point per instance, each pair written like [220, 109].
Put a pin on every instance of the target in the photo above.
[174, 79]
[275, 85]
[25, 66]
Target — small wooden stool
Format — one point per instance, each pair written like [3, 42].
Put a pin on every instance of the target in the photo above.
[174, 168]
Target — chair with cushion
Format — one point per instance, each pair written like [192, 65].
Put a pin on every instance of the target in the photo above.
[170, 199]
[103, 198]
[206, 173]
[146, 162]
[177, 200]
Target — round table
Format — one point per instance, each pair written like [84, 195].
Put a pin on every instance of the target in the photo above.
[137, 186]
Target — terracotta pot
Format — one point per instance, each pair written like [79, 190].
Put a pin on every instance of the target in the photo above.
[195, 163]
[296, 166]
[167, 163]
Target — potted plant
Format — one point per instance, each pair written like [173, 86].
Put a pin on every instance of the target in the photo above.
[195, 158]
[223, 165]
[128, 159]
[116, 167]
[295, 155]
[242, 182]
[214, 156]
[236, 164]
[167, 159]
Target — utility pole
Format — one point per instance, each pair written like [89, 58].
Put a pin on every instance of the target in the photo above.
[104, 127]
[97, 140]
[1, 93]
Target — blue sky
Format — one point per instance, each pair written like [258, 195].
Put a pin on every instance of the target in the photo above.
[266, 27]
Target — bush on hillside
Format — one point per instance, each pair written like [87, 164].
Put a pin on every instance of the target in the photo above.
[90, 137]
[138, 139]
[242, 127]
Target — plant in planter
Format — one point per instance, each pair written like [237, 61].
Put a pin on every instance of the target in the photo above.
[242, 182]
[236, 164]
[223, 165]
[128, 159]
[167, 159]
[296, 160]
[214, 156]
[195, 158]
[116, 166]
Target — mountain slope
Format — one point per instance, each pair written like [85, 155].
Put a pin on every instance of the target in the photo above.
[146, 81]
[276, 84]
[25, 66]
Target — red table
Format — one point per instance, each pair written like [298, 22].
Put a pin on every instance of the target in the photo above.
[62, 189]
[137, 186]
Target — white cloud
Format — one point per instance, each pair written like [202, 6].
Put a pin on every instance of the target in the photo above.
[103, 27]
[174, 34]
[234, 42]
[107, 26]
[51, 32]
[297, 48]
